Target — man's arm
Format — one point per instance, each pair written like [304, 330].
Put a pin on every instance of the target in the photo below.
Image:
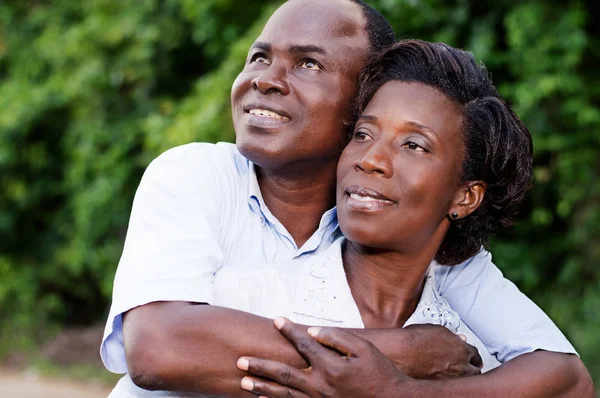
[539, 374]
[508, 323]
[195, 348]
[180, 346]
[173, 248]
[514, 329]
[185, 347]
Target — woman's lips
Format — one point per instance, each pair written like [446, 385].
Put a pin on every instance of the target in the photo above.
[366, 199]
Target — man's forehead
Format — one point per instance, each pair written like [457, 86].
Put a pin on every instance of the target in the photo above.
[309, 22]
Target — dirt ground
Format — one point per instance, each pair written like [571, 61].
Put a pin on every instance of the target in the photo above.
[71, 348]
[30, 385]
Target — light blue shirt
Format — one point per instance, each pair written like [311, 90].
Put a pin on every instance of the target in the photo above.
[199, 209]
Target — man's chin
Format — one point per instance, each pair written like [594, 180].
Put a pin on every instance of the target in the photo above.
[265, 155]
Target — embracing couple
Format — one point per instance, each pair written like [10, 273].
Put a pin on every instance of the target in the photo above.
[336, 249]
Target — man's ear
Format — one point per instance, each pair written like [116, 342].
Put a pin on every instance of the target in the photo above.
[468, 198]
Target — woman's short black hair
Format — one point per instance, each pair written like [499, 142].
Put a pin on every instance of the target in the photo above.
[498, 146]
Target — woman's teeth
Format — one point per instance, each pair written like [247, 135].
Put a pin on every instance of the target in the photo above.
[366, 198]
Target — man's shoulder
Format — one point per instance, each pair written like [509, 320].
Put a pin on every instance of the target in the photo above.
[199, 160]
[199, 153]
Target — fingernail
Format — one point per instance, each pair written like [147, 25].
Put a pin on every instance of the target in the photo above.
[247, 384]
[313, 331]
[243, 364]
[462, 337]
[279, 322]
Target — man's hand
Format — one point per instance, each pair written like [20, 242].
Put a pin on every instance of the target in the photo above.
[426, 351]
[341, 365]
[440, 354]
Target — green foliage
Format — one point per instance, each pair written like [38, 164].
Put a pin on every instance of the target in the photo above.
[91, 91]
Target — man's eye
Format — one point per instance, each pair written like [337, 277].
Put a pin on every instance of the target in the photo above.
[310, 64]
[259, 58]
[414, 147]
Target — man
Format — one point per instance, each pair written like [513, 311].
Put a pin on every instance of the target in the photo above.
[202, 208]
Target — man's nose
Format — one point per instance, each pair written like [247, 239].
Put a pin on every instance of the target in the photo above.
[376, 160]
[272, 80]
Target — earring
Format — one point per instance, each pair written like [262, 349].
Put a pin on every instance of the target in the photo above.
[454, 216]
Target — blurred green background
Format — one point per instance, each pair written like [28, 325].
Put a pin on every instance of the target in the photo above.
[91, 91]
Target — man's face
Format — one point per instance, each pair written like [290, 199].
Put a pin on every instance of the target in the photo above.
[292, 98]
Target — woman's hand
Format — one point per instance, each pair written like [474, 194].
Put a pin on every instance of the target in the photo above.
[341, 365]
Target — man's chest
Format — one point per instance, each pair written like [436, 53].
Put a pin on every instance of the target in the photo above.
[251, 239]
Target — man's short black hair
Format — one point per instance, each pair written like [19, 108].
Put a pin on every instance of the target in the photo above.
[381, 34]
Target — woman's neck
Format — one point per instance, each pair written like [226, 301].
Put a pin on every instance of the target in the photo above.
[386, 285]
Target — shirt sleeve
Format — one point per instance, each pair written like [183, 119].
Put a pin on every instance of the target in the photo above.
[508, 323]
[172, 248]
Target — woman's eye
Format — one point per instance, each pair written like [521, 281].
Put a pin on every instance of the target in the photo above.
[414, 147]
[310, 64]
[361, 136]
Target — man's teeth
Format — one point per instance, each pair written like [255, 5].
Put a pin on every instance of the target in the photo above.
[365, 198]
[269, 114]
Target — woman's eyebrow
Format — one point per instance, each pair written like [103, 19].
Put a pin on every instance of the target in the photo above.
[368, 118]
[422, 127]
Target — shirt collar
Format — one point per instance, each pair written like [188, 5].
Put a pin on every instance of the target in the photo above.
[323, 293]
[328, 225]
[255, 199]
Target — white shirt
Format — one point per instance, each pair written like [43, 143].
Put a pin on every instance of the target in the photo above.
[320, 296]
[199, 210]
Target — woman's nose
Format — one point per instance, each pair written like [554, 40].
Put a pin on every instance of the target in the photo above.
[375, 160]
[272, 80]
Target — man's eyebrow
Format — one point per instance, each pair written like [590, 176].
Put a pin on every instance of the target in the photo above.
[261, 45]
[309, 48]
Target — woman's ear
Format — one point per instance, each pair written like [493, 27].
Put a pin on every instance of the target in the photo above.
[467, 200]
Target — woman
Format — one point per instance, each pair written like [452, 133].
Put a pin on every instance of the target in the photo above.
[437, 162]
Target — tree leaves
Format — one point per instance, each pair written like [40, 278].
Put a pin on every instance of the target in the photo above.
[91, 92]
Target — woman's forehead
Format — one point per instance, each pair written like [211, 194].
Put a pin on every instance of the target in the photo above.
[398, 101]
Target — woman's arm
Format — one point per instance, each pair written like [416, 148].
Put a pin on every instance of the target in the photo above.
[359, 370]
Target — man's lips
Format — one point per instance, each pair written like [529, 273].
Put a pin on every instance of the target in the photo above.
[366, 199]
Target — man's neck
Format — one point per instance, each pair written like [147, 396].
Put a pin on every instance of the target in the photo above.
[298, 200]
[386, 285]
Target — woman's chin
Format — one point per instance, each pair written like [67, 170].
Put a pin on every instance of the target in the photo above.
[367, 237]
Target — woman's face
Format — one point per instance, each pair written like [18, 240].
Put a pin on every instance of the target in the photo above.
[398, 178]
